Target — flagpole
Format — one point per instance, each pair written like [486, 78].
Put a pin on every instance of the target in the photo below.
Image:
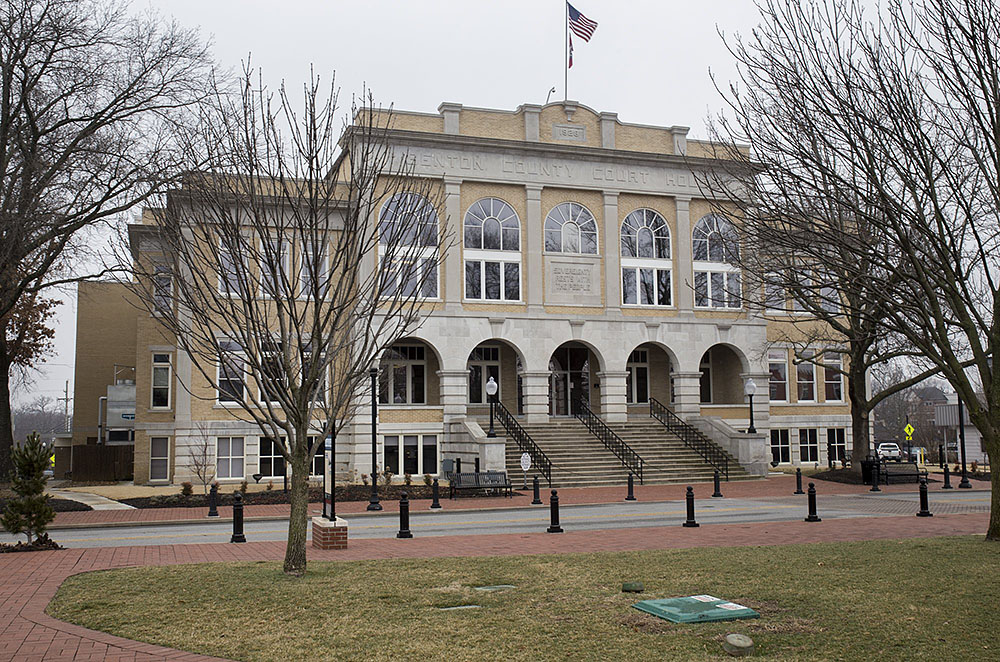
[566, 54]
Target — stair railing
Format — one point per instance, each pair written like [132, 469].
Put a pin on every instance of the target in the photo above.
[539, 460]
[629, 458]
[691, 436]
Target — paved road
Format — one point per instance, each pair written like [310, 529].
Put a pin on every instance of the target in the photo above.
[536, 519]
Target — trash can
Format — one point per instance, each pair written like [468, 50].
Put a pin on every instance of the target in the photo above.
[866, 470]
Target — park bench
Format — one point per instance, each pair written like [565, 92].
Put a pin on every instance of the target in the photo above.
[889, 471]
[495, 481]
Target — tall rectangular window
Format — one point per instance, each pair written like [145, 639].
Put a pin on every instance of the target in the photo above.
[637, 377]
[412, 277]
[411, 454]
[402, 375]
[808, 445]
[272, 462]
[160, 395]
[835, 438]
[313, 273]
[274, 377]
[805, 378]
[229, 276]
[774, 293]
[229, 457]
[833, 379]
[159, 458]
[777, 365]
[492, 280]
[274, 268]
[781, 449]
[230, 372]
[162, 290]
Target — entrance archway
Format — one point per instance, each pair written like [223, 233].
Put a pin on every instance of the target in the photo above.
[649, 375]
[501, 361]
[721, 383]
[573, 371]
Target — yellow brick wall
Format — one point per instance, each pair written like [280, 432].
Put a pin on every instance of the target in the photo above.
[417, 122]
[410, 415]
[490, 124]
[643, 139]
[556, 114]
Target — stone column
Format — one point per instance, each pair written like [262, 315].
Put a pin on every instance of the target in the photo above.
[453, 258]
[532, 244]
[687, 394]
[683, 274]
[454, 392]
[614, 408]
[612, 253]
[535, 386]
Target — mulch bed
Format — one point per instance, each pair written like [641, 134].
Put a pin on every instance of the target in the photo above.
[277, 496]
[41, 544]
[58, 505]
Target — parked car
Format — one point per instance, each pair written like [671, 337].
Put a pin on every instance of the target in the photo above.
[889, 451]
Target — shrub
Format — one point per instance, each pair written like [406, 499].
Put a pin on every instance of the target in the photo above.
[187, 489]
[270, 485]
[387, 476]
[29, 513]
[427, 480]
[407, 480]
[243, 487]
[974, 467]
[364, 479]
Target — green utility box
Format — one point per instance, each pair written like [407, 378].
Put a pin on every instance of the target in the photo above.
[695, 609]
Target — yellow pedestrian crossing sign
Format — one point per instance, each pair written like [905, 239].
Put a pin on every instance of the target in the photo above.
[908, 430]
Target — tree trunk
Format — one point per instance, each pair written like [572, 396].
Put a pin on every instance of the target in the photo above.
[6, 423]
[857, 394]
[298, 521]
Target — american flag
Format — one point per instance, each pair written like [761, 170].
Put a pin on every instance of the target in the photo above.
[581, 26]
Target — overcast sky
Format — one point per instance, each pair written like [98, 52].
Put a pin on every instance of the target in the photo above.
[648, 61]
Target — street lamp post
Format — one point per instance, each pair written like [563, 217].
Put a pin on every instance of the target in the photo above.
[964, 483]
[491, 392]
[373, 503]
[749, 388]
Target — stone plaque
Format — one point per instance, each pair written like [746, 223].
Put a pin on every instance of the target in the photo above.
[573, 280]
[574, 132]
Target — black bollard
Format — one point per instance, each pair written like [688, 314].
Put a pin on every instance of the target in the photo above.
[924, 510]
[940, 456]
[554, 510]
[875, 473]
[689, 522]
[537, 501]
[404, 517]
[798, 481]
[812, 517]
[435, 495]
[458, 465]
[947, 478]
[631, 488]
[477, 465]
[238, 519]
[718, 490]
[213, 501]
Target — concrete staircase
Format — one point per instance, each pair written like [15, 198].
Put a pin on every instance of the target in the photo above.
[579, 459]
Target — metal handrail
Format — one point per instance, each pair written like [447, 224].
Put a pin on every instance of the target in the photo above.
[539, 460]
[629, 458]
[691, 436]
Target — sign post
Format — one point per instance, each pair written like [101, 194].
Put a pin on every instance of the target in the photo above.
[909, 429]
[525, 465]
[328, 476]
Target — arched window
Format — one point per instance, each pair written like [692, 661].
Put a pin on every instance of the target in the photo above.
[715, 247]
[492, 251]
[570, 228]
[492, 224]
[409, 219]
[646, 266]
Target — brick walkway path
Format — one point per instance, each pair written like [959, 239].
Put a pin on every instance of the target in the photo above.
[774, 486]
[29, 581]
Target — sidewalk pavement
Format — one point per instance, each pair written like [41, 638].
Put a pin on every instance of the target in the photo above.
[773, 486]
[28, 581]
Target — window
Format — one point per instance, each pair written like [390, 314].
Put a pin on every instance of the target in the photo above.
[570, 228]
[492, 224]
[408, 219]
[637, 377]
[162, 289]
[808, 445]
[836, 444]
[159, 458]
[717, 283]
[774, 293]
[401, 378]
[805, 376]
[777, 365]
[229, 276]
[274, 377]
[484, 362]
[231, 369]
[229, 457]
[645, 239]
[314, 276]
[781, 450]
[272, 463]
[490, 280]
[318, 467]
[307, 367]
[274, 268]
[803, 291]
[417, 455]
[833, 379]
[161, 381]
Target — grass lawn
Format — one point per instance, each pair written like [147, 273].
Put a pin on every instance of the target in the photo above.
[891, 600]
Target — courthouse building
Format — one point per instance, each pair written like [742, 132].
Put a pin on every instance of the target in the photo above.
[589, 273]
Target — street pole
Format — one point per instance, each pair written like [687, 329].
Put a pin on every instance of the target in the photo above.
[964, 484]
[373, 503]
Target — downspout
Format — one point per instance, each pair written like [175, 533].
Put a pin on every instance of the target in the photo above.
[101, 403]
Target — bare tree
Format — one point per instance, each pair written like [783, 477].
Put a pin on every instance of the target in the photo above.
[201, 456]
[275, 277]
[41, 415]
[88, 94]
[887, 128]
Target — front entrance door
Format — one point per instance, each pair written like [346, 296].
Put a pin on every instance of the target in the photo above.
[569, 379]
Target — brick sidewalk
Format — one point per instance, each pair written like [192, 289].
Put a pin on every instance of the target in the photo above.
[28, 581]
[773, 486]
